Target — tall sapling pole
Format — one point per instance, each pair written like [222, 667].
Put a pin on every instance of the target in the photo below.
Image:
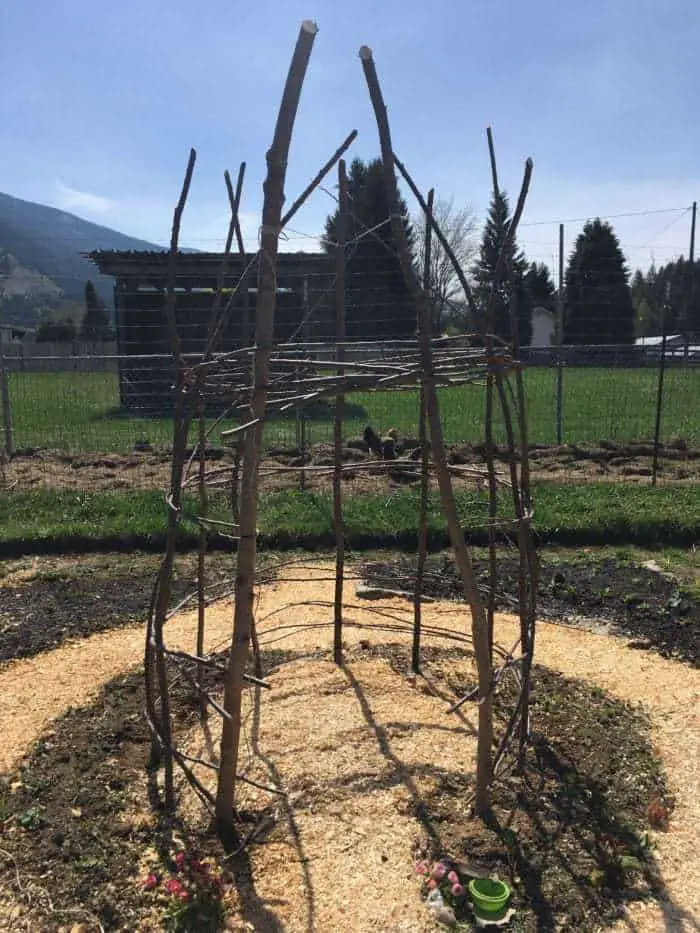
[155, 664]
[273, 200]
[425, 462]
[482, 649]
[343, 202]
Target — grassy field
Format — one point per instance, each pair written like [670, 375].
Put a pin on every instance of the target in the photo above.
[593, 514]
[78, 412]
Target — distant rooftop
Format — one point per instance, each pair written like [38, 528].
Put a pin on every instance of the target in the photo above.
[125, 262]
[656, 341]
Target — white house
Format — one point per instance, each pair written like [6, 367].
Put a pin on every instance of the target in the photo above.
[13, 334]
[544, 326]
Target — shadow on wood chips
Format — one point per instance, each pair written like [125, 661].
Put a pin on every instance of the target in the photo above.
[570, 833]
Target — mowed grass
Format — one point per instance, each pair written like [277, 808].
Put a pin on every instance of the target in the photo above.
[593, 514]
[79, 412]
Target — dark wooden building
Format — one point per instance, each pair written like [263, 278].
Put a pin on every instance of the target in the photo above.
[305, 310]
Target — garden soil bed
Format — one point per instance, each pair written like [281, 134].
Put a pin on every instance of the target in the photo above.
[47, 601]
[375, 773]
[611, 461]
[618, 597]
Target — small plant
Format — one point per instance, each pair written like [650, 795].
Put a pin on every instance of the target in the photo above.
[193, 895]
[32, 819]
[619, 861]
[5, 809]
[442, 887]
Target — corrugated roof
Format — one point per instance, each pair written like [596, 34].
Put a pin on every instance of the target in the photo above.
[656, 341]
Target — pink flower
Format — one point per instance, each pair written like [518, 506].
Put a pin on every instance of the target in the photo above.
[151, 882]
[432, 884]
[421, 868]
[457, 890]
[453, 877]
[439, 871]
[183, 895]
[180, 859]
[173, 886]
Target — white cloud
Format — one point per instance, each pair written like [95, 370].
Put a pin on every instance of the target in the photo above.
[205, 226]
[82, 202]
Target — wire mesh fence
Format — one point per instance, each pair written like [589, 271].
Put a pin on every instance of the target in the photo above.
[71, 427]
[78, 415]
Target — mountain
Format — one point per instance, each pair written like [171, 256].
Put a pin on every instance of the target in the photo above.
[40, 263]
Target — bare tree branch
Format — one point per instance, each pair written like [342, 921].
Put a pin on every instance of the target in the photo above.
[460, 228]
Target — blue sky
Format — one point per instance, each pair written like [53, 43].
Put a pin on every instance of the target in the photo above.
[99, 104]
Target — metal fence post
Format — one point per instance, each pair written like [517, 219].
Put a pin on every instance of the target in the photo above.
[560, 403]
[660, 389]
[560, 341]
[6, 408]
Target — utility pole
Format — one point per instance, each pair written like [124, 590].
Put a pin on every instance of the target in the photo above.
[689, 297]
[560, 293]
[560, 340]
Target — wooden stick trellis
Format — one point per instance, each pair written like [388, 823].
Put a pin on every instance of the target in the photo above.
[255, 382]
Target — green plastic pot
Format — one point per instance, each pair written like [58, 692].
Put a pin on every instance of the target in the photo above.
[489, 896]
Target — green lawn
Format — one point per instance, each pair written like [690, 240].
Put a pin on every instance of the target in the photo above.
[598, 513]
[78, 412]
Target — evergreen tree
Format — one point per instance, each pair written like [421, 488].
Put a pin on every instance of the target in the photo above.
[378, 301]
[492, 243]
[599, 307]
[645, 317]
[540, 286]
[56, 331]
[95, 326]
[682, 279]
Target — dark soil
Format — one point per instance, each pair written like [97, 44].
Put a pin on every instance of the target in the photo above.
[558, 833]
[149, 469]
[64, 827]
[569, 834]
[79, 598]
[632, 601]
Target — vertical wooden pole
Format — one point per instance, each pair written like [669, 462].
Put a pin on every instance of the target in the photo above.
[235, 479]
[202, 552]
[155, 665]
[660, 387]
[462, 555]
[219, 310]
[301, 439]
[301, 415]
[425, 464]
[489, 327]
[560, 292]
[273, 200]
[560, 341]
[6, 408]
[690, 294]
[492, 487]
[520, 484]
[343, 202]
